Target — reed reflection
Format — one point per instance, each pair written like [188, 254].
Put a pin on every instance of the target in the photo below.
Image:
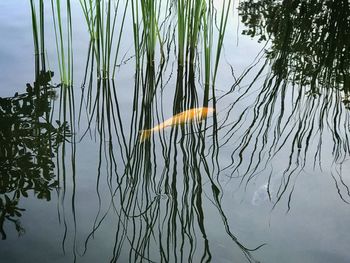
[64, 174]
[162, 189]
[300, 102]
[158, 190]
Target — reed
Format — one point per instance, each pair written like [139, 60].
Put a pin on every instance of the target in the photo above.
[102, 21]
[189, 20]
[148, 11]
[38, 35]
[64, 39]
[195, 21]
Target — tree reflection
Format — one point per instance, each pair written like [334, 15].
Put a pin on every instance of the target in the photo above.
[28, 142]
[301, 98]
[309, 40]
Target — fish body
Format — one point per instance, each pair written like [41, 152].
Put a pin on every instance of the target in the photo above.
[195, 114]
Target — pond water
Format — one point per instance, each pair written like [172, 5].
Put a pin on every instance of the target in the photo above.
[263, 177]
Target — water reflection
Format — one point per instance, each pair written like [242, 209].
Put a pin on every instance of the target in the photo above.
[159, 188]
[29, 142]
[309, 41]
[162, 199]
[300, 95]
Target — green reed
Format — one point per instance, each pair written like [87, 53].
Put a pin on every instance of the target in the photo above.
[148, 10]
[56, 146]
[189, 19]
[196, 19]
[136, 30]
[64, 39]
[222, 29]
[195, 25]
[146, 27]
[38, 36]
[102, 20]
[209, 22]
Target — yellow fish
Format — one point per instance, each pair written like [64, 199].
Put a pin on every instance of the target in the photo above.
[195, 114]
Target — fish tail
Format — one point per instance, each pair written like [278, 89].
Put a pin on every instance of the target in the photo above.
[145, 134]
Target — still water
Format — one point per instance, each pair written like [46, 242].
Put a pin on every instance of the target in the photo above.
[262, 178]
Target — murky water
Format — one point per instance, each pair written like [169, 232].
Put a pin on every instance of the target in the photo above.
[262, 179]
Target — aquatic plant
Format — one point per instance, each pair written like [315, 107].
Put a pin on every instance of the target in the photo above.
[64, 38]
[101, 19]
[38, 35]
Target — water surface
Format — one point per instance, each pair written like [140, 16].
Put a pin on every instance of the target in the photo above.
[264, 179]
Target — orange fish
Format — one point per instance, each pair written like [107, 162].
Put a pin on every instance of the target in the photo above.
[196, 114]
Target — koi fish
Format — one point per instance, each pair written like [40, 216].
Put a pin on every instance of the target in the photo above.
[195, 114]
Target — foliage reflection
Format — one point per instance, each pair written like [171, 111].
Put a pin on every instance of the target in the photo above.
[29, 142]
[301, 98]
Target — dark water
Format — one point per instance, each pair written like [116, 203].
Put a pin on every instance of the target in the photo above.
[263, 179]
